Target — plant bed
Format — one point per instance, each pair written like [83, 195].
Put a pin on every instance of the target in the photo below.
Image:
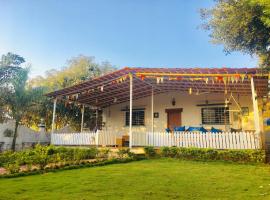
[69, 166]
[201, 154]
[43, 159]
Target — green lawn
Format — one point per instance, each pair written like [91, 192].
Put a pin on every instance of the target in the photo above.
[147, 179]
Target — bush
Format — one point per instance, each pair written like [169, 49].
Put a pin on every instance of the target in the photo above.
[41, 156]
[150, 151]
[124, 153]
[165, 151]
[104, 153]
[12, 167]
[244, 156]
[7, 157]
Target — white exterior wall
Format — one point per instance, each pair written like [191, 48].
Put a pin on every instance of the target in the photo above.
[26, 136]
[114, 118]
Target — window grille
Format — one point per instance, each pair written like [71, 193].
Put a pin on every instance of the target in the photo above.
[215, 115]
[137, 118]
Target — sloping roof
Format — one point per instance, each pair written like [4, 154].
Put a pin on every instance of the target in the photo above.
[113, 88]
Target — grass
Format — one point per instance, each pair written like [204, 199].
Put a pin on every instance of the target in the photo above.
[147, 179]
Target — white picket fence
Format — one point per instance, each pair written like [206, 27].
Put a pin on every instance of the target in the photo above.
[70, 139]
[224, 140]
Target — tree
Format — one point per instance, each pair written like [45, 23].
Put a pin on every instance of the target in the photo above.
[240, 25]
[10, 64]
[78, 69]
[19, 100]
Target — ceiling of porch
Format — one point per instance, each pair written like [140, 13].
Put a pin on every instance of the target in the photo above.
[114, 88]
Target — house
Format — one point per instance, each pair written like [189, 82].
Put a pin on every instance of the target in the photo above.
[26, 136]
[136, 101]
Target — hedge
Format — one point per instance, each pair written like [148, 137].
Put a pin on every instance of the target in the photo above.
[43, 155]
[69, 166]
[201, 154]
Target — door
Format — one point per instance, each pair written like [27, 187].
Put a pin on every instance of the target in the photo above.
[173, 118]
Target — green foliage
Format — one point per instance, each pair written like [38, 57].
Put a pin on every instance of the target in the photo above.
[19, 101]
[104, 153]
[10, 64]
[78, 69]
[43, 155]
[7, 157]
[12, 168]
[265, 5]
[243, 156]
[11, 59]
[69, 166]
[150, 151]
[124, 153]
[240, 25]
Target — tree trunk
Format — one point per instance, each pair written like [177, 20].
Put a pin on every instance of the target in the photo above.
[15, 135]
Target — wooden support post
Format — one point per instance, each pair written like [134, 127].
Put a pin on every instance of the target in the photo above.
[130, 108]
[97, 119]
[255, 108]
[82, 120]
[53, 118]
[152, 111]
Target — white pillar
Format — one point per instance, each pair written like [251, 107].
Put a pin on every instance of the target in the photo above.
[255, 107]
[82, 120]
[53, 118]
[130, 108]
[97, 119]
[152, 111]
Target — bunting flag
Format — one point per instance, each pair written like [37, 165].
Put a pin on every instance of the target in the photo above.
[172, 78]
[160, 80]
[243, 77]
[142, 77]
[225, 79]
[190, 91]
[219, 78]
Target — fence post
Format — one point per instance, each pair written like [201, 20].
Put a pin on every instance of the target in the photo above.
[97, 134]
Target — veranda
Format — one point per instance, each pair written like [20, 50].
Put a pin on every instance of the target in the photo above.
[130, 84]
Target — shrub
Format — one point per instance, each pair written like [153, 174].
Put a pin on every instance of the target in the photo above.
[150, 151]
[13, 167]
[41, 156]
[173, 152]
[123, 153]
[165, 151]
[104, 153]
[7, 157]
[247, 156]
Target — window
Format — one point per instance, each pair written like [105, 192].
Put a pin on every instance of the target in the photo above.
[215, 115]
[137, 118]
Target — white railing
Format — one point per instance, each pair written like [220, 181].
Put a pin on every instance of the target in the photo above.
[224, 140]
[108, 138]
[69, 139]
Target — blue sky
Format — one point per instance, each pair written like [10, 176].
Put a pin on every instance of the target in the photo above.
[134, 33]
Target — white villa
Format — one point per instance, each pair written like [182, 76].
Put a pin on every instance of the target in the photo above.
[202, 107]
